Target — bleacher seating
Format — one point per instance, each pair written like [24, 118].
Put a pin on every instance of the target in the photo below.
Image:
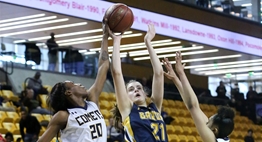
[182, 128]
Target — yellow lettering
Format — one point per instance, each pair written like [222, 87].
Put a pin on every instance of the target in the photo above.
[153, 116]
[142, 115]
[148, 115]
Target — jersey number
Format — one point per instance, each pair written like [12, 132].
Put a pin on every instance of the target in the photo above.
[158, 127]
[96, 130]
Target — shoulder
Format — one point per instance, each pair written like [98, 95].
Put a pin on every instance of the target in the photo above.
[61, 116]
[92, 104]
[153, 105]
[60, 119]
[61, 113]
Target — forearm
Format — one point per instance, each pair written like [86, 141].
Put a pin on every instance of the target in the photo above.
[178, 85]
[188, 95]
[103, 57]
[156, 64]
[116, 62]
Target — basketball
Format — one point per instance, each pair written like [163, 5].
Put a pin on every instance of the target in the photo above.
[119, 17]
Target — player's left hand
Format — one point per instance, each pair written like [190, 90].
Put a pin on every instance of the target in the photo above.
[151, 32]
[170, 74]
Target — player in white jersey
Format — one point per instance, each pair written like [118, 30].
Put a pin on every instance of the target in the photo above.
[223, 140]
[214, 129]
[82, 118]
[77, 119]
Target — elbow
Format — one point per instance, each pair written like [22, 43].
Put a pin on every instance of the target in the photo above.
[159, 73]
[116, 72]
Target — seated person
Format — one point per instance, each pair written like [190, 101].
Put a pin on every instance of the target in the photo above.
[31, 124]
[32, 104]
[36, 84]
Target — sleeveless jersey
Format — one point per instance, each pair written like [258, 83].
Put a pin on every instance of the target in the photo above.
[223, 140]
[85, 124]
[145, 124]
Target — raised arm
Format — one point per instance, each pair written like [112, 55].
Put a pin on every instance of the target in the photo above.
[158, 76]
[103, 65]
[170, 74]
[123, 102]
[57, 123]
[191, 102]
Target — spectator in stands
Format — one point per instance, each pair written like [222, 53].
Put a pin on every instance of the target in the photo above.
[168, 119]
[221, 91]
[249, 136]
[9, 137]
[31, 124]
[52, 53]
[251, 104]
[36, 84]
[251, 94]
[114, 134]
[32, 104]
[237, 94]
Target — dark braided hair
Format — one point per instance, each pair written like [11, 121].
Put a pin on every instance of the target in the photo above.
[57, 99]
[224, 120]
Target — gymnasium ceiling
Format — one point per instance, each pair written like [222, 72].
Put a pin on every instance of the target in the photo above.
[93, 40]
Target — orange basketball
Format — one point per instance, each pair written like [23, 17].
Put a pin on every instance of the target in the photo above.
[119, 17]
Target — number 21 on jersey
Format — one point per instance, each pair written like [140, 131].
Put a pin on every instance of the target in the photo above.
[158, 127]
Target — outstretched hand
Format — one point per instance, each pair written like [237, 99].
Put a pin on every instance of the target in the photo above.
[179, 65]
[151, 32]
[170, 74]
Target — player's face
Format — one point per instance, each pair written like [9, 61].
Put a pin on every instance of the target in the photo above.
[136, 93]
[76, 88]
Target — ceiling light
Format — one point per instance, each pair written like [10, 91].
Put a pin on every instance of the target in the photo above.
[21, 18]
[95, 40]
[82, 51]
[246, 74]
[134, 44]
[86, 38]
[231, 66]
[44, 29]
[28, 21]
[232, 70]
[144, 46]
[89, 53]
[159, 50]
[167, 49]
[225, 63]
[247, 4]
[33, 24]
[123, 54]
[209, 58]
[182, 49]
[64, 35]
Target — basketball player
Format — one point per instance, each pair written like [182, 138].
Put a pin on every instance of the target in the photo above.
[79, 120]
[214, 129]
[141, 122]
